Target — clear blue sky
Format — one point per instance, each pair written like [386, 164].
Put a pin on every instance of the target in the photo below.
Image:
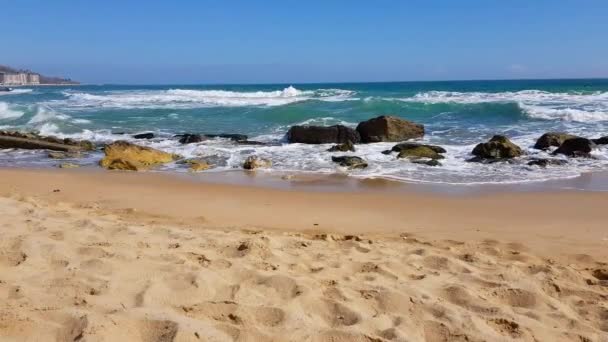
[228, 41]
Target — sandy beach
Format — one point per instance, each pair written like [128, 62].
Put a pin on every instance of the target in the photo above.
[111, 256]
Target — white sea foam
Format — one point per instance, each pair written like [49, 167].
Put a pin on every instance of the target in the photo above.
[16, 91]
[582, 107]
[190, 98]
[8, 112]
[45, 114]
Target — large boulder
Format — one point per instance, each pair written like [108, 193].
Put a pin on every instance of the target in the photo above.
[497, 148]
[33, 141]
[576, 147]
[123, 155]
[346, 147]
[552, 139]
[336, 134]
[351, 162]
[389, 128]
[255, 162]
[601, 141]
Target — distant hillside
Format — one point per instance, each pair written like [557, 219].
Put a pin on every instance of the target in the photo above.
[43, 79]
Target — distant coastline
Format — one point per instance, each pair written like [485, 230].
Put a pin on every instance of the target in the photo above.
[14, 77]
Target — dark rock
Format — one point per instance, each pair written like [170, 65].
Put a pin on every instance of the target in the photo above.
[386, 152]
[255, 162]
[601, 141]
[233, 137]
[352, 162]
[546, 162]
[347, 146]
[144, 136]
[190, 138]
[499, 147]
[252, 142]
[490, 161]
[64, 155]
[552, 139]
[33, 141]
[420, 151]
[336, 134]
[389, 128]
[576, 147]
[407, 146]
[432, 162]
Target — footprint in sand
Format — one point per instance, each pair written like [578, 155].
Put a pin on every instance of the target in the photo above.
[157, 331]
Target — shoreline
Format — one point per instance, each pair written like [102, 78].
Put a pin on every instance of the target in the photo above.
[316, 205]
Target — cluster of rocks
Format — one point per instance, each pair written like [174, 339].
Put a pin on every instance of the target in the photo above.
[123, 155]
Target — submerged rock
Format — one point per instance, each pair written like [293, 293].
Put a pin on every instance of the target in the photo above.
[499, 147]
[233, 137]
[544, 162]
[336, 134]
[198, 165]
[576, 147]
[64, 155]
[255, 162]
[432, 162]
[123, 155]
[68, 166]
[389, 128]
[346, 147]
[352, 162]
[144, 136]
[552, 139]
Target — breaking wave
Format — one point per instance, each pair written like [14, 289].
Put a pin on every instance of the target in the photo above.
[581, 107]
[189, 98]
[7, 112]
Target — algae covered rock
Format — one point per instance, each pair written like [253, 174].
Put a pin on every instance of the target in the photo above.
[123, 155]
[552, 139]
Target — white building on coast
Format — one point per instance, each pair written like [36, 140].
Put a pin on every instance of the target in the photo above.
[19, 78]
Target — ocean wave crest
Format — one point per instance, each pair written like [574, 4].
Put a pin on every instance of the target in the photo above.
[8, 112]
[581, 107]
[192, 98]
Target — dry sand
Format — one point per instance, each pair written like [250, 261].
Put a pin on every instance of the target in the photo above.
[143, 257]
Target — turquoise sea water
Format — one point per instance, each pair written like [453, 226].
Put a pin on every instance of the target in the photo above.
[457, 115]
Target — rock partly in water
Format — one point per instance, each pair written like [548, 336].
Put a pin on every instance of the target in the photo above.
[497, 148]
[252, 143]
[123, 155]
[68, 166]
[255, 162]
[198, 165]
[351, 162]
[432, 162]
[576, 147]
[420, 151]
[33, 141]
[190, 138]
[336, 134]
[601, 141]
[407, 145]
[233, 137]
[544, 162]
[64, 155]
[552, 139]
[143, 136]
[389, 128]
[346, 147]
